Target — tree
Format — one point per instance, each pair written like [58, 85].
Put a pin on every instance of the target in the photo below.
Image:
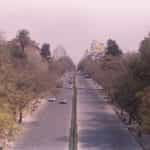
[145, 49]
[2, 38]
[113, 48]
[8, 127]
[143, 109]
[18, 90]
[23, 38]
[145, 59]
[16, 51]
[45, 51]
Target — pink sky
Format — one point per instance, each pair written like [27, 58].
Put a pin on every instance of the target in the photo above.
[75, 23]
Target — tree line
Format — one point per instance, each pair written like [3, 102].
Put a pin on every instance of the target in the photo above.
[126, 79]
[27, 73]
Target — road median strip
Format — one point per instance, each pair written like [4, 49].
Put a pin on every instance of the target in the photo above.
[73, 129]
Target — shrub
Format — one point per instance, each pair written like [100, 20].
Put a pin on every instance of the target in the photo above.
[112, 48]
[8, 127]
[143, 109]
[17, 52]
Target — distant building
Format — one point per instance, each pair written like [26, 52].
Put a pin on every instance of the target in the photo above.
[86, 53]
[59, 52]
[97, 46]
[96, 50]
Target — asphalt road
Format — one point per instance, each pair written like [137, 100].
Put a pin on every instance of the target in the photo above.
[50, 129]
[98, 126]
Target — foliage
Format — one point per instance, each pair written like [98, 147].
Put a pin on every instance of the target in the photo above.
[126, 79]
[45, 51]
[16, 51]
[65, 64]
[8, 127]
[23, 38]
[143, 109]
[113, 48]
[24, 77]
[145, 49]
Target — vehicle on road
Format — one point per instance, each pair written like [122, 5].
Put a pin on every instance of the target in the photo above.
[87, 76]
[51, 99]
[63, 101]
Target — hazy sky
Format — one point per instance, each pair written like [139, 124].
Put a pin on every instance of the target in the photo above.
[75, 23]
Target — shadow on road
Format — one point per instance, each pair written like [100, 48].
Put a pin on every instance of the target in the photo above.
[100, 127]
[63, 139]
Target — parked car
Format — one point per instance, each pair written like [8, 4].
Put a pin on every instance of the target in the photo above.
[63, 101]
[51, 99]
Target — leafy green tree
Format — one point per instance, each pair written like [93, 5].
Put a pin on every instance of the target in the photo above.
[113, 48]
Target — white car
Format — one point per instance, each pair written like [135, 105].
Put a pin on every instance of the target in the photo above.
[63, 101]
[51, 99]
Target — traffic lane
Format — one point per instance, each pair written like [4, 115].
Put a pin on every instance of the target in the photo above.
[50, 131]
[99, 127]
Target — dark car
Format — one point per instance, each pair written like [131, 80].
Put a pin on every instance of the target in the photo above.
[63, 101]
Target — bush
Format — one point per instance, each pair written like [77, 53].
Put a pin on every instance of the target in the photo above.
[112, 48]
[17, 52]
[143, 109]
[45, 51]
[8, 127]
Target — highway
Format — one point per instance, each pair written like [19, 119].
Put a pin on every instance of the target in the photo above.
[98, 126]
[50, 130]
